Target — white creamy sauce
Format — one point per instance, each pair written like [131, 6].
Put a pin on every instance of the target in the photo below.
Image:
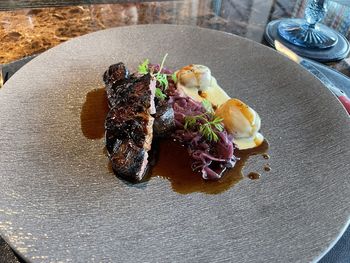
[239, 119]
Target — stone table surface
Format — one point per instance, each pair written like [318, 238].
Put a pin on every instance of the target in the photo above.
[27, 28]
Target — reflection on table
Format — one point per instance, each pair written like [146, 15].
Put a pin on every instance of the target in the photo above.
[33, 30]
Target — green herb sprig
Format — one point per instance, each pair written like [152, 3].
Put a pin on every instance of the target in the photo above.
[174, 77]
[159, 94]
[161, 78]
[207, 124]
[143, 67]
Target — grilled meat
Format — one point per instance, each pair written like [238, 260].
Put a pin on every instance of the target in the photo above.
[115, 72]
[128, 139]
[124, 89]
[164, 120]
[129, 123]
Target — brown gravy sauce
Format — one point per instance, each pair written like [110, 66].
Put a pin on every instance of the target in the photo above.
[93, 114]
[173, 163]
[267, 168]
[253, 175]
[266, 156]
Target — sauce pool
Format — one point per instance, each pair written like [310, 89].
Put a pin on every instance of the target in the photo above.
[93, 114]
[173, 163]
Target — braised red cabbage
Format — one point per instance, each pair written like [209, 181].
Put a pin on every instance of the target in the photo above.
[209, 158]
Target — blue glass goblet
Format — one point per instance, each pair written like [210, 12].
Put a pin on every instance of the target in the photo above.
[307, 32]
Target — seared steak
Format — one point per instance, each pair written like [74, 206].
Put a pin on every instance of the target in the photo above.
[164, 120]
[115, 72]
[129, 123]
[128, 139]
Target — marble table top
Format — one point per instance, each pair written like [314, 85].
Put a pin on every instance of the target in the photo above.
[30, 27]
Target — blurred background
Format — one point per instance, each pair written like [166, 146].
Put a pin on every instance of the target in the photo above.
[30, 27]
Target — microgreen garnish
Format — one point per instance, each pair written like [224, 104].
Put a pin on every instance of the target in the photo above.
[143, 68]
[207, 125]
[174, 77]
[207, 130]
[190, 122]
[159, 94]
[162, 64]
[161, 78]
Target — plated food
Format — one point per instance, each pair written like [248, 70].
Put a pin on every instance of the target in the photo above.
[187, 106]
[56, 185]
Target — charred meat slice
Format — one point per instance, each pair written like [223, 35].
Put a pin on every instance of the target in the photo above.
[135, 90]
[132, 90]
[128, 140]
[116, 78]
[126, 123]
[164, 120]
[116, 72]
[129, 124]
[129, 161]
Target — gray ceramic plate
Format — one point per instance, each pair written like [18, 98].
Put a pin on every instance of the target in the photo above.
[59, 202]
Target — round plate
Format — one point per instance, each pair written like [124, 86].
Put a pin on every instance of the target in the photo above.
[59, 202]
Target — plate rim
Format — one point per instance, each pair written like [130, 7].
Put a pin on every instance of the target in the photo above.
[345, 226]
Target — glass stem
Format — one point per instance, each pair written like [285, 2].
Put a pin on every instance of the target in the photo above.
[311, 26]
[307, 32]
